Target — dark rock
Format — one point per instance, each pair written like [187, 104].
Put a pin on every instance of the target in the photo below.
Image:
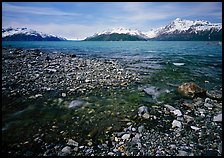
[210, 153]
[48, 58]
[72, 55]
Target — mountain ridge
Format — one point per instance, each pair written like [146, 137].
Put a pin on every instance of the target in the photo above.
[178, 29]
[25, 34]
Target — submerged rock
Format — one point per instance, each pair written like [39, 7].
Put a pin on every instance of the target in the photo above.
[153, 91]
[76, 103]
[191, 90]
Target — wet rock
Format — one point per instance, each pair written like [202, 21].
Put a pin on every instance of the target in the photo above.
[143, 112]
[188, 106]
[72, 143]
[176, 123]
[125, 136]
[177, 112]
[153, 91]
[73, 55]
[217, 118]
[141, 129]
[110, 154]
[210, 153]
[191, 90]
[214, 94]
[171, 108]
[66, 151]
[188, 118]
[195, 128]
[51, 71]
[63, 94]
[182, 153]
[145, 116]
[76, 103]
[93, 132]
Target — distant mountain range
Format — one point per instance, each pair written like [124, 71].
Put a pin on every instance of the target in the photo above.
[180, 30]
[24, 34]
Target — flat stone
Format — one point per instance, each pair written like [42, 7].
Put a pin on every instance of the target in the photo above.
[76, 103]
[182, 153]
[66, 150]
[177, 112]
[176, 123]
[195, 128]
[145, 115]
[125, 136]
[72, 142]
[188, 118]
[110, 154]
[171, 108]
[153, 91]
[217, 118]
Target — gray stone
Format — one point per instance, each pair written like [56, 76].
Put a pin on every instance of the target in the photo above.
[217, 118]
[125, 136]
[176, 123]
[66, 150]
[182, 153]
[153, 91]
[188, 118]
[195, 128]
[140, 129]
[177, 112]
[169, 107]
[110, 154]
[76, 103]
[142, 110]
[145, 115]
[72, 143]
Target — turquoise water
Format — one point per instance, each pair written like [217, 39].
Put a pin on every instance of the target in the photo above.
[201, 59]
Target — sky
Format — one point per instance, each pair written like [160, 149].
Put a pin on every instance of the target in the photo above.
[77, 20]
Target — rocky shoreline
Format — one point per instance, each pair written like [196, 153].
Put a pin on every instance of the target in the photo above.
[188, 127]
[27, 72]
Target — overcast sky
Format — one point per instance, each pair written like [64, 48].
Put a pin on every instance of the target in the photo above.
[74, 20]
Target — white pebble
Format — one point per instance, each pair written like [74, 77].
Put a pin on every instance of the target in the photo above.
[195, 128]
[176, 123]
[125, 136]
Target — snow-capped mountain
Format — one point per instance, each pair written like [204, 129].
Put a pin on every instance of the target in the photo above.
[176, 30]
[118, 34]
[122, 30]
[25, 34]
[186, 27]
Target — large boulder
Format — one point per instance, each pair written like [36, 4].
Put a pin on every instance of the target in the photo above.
[191, 90]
